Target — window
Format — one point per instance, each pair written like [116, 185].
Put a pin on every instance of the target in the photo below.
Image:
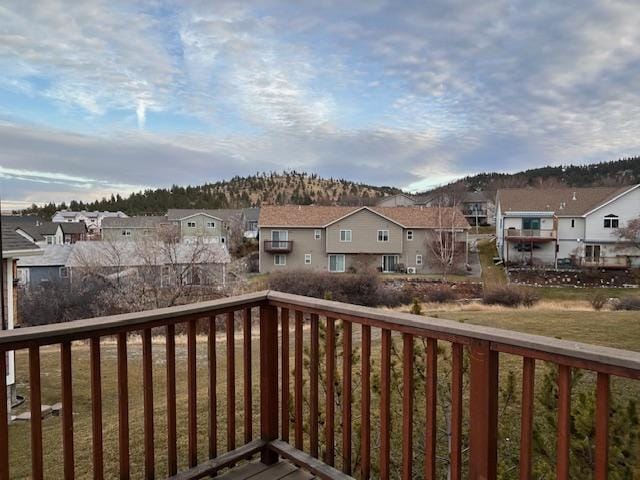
[611, 221]
[126, 233]
[573, 223]
[345, 235]
[592, 253]
[280, 259]
[383, 235]
[418, 259]
[531, 224]
[64, 272]
[50, 240]
[191, 224]
[317, 234]
[307, 259]
[211, 225]
[409, 235]
[336, 262]
[389, 263]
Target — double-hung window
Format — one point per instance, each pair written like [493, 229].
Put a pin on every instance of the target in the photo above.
[336, 263]
[317, 234]
[611, 221]
[345, 235]
[211, 224]
[280, 259]
[307, 259]
[418, 259]
[383, 235]
[409, 235]
[191, 224]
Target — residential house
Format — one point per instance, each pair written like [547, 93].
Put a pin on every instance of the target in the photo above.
[42, 234]
[478, 208]
[93, 220]
[74, 232]
[49, 267]
[209, 226]
[405, 200]
[14, 247]
[202, 264]
[341, 239]
[251, 217]
[564, 226]
[131, 228]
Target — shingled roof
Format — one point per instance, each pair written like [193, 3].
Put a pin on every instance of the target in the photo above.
[12, 241]
[561, 201]
[321, 216]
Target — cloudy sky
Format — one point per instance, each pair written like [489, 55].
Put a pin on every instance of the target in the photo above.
[114, 96]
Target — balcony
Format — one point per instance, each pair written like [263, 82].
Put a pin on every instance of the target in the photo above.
[278, 246]
[323, 399]
[474, 212]
[533, 235]
[619, 262]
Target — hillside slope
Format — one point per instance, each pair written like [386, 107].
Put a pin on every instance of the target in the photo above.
[255, 190]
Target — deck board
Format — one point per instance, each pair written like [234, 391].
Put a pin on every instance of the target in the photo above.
[259, 471]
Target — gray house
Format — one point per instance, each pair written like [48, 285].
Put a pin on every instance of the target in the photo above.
[45, 268]
[131, 228]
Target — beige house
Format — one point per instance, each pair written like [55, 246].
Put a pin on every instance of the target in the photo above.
[343, 239]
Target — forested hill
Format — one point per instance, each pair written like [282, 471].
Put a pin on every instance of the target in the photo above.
[618, 172]
[273, 188]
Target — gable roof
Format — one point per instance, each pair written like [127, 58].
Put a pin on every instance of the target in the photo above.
[148, 221]
[38, 232]
[561, 201]
[322, 216]
[224, 214]
[73, 227]
[13, 242]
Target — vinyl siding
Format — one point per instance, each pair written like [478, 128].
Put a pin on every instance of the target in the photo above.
[364, 226]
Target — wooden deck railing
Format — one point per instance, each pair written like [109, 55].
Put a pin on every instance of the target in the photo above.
[290, 416]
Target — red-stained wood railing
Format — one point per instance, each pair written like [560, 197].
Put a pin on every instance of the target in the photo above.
[313, 403]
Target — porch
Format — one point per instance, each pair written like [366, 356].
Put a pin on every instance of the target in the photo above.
[325, 401]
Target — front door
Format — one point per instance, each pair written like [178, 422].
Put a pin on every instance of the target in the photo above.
[592, 253]
[389, 263]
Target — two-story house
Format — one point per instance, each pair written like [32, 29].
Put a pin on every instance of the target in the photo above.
[14, 247]
[479, 208]
[93, 220]
[566, 226]
[131, 228]
[342, 239]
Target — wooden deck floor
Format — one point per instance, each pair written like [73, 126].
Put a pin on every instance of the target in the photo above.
[259, 471]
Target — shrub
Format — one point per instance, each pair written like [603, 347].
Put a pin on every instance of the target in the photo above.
[441, 294]
[359, 289]
[598, 301]
[627, 303]
[510, 296]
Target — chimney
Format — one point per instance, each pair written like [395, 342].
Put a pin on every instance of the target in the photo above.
[574, 196]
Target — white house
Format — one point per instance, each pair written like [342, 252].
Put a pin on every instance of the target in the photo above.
[567, 226]
[14, 247]
[93, 219]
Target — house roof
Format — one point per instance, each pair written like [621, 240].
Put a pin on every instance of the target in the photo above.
[13, 242]
[251, 214]
[321, 216]
[148, 221]
[562, 201]
[221, 213]
[475, 197]
[52, 256]
[134, 254]
[37, 232]
[73, 227]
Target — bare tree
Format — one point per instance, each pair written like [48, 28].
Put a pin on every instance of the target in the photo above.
[443, 241]
[235, 232]
[630, 233]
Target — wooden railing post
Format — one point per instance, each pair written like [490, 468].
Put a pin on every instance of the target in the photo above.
[483, 412]
[268, 379]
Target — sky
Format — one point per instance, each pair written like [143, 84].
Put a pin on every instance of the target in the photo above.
[116, 96]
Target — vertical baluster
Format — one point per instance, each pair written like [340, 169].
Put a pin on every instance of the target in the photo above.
[248, 400]
[298, 381]
[313, 386]
[284, 314]
[212, 386]
[385, 405]
[123, 406]
[4, 418]
[431, 393]
[329, 429]
[96, 408]
[67, 410]
[347, 350]
[192, 393]
[147, 386]
[483, 411]
[365, 405]
[602, 427]
[564, 415]
[456, 411]
[36, 412]
[526, 422]
[407, 406]
[268, 379]
[231, 382]
[172, 434]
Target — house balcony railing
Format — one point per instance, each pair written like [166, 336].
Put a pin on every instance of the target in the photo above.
[299, 335]
[533, 234]
[470, 212]
[604, 262]
[278, 246]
